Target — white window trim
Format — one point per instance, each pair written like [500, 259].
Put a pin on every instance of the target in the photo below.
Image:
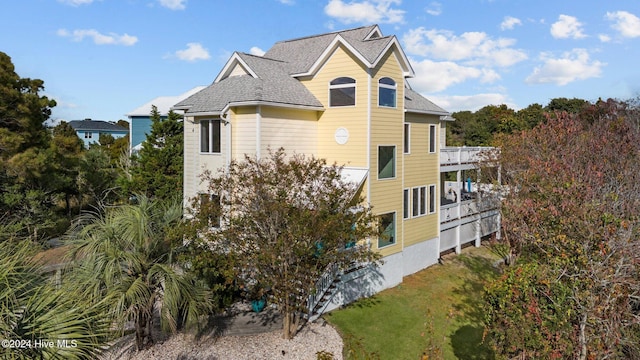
[406, 131]
[435, 135]
[395, 230]
[395, 163]
[406, 204]
[210, 137]
[430, 199]
[343, 86]
[391, 87]
[421, 201]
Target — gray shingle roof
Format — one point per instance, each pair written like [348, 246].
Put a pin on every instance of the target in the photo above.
[414, 102]
[302, 53]
[274, 82]
[95, 125]
[273, 85]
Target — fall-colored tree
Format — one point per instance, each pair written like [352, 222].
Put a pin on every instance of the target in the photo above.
[570, 219]
[284, 220]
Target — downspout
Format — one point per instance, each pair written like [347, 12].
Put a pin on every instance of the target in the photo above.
[369, 76]
[258, 130]
[227, 124]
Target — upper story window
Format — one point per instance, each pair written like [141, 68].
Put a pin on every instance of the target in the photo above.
[432, 138]
[210, 136]
[386, 162]
[387, 92]
[342, 92]
[87, 135]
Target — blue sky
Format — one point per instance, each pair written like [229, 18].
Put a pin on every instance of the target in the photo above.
[101, 59]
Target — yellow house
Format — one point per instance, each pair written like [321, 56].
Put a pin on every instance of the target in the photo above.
[342, 96]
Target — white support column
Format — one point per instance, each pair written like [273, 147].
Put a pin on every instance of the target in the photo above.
[458, 211]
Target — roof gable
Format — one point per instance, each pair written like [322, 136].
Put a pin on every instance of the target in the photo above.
[235, 66]
[306, 55]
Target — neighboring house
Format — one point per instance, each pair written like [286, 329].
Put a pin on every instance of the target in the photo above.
[89, 130]
[140, 118]
[343, 96]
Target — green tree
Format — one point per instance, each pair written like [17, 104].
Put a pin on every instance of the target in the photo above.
[531, 116]
[285, 220]
[571, 106]
[127, 257]
[66, 148]
[158, 167]
[97, 177]
[32, 308]
[26, 162]
[572, 224]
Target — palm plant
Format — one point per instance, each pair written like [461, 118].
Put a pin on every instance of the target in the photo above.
[126, 255]
[41, 320]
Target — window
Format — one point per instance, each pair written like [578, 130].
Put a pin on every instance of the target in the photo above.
[342, 92]
[387, 92]
[406, 148]
[432, 138]
[419, 197]
[210, 136]
[210, 206]
[386, 162]
[432, 199]
[416, 201]
[87, 135]
[387, 229]
[406, 204]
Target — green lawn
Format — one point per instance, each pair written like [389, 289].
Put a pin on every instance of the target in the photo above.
[437, 311]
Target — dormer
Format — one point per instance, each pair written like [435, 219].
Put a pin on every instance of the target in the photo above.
[235, 66]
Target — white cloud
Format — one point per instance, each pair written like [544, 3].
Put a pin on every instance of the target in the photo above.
[567, 27]
[98, 38]
[471, 102]
[366, 11]
[193, 52]
[604, 38]
[173, 4]
[474, 48]
[572, 66]
[626, 23]
[434, 76]
[256, 51]
[75, 2]
[509, 23]
[287, 2]
[435, 8]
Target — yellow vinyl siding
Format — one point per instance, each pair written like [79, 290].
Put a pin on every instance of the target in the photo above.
[210, 161]
[243, 132]
[387, 129]
[421, 169]
[353, 118]
[294, 130]
[238, 70]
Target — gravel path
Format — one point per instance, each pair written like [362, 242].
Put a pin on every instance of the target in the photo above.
[314, 337]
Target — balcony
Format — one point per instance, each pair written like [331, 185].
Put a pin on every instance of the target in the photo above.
[461, 158]
[468, 211]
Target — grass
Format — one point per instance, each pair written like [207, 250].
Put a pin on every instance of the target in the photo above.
[436, 312]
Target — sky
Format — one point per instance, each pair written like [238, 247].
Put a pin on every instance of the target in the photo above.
[101, 59]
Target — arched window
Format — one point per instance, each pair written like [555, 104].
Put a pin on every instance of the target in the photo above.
[387, 92]
[342, 92]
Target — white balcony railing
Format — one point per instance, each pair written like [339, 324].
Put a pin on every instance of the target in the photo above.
[461, 155]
